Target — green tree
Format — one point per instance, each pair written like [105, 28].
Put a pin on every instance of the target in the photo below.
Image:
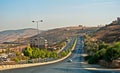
[63, 54]
[28, 51]
[54, 55]
[48, 54]
[112, 54]
[16, 59]
[103, 45]
[42, 55]
[117, 45]
[35, 53]
[97, 56]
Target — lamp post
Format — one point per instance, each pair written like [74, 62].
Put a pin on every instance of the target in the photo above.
[37, 30]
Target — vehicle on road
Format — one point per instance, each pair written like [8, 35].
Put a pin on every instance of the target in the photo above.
[70, 60]
[30, 61]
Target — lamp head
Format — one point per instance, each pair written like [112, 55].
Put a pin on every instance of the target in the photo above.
[41, 20]
[33, 21]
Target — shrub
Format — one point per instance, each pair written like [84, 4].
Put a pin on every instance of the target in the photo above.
[97, 56]
[87, 57]
[16, 59]
[112, 54]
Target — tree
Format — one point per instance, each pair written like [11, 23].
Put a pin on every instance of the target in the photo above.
[112, 53]
[48, 54]
[42, 54]
[103, 45]
[117, 45]
[28, 51]
[97, 56]
[35, 53]
[15, 59]
[63, 54]
[54, 55]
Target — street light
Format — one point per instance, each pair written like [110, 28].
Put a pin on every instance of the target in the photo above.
[37, 30]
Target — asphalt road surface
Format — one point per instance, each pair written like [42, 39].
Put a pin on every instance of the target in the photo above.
[75, 66]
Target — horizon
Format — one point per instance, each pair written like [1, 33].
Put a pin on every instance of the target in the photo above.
[17, 14]
[45, 30]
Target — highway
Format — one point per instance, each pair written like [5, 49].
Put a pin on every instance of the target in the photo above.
[75, 66]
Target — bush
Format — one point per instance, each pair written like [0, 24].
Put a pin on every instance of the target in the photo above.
[103, 45]
[28, 51]
[87, 57]
[97, 56]
[54, 55]
[94, 59]
[108, 54]
[16, 59]
[112, 54]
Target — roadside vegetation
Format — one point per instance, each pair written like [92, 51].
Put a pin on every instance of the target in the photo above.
[34, 53]
[98, 50]
[67, 51]
[39, 53]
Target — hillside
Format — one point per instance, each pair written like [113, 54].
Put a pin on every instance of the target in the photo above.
[12, 35]
[109, 33]
[59, 34]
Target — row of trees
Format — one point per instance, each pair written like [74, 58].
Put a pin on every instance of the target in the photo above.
[39, 53]
[44, 53]
[102, 51]
[64, 53]
[91, 45]
[59, 45]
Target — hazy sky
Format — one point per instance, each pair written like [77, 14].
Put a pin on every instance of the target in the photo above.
[17, 14]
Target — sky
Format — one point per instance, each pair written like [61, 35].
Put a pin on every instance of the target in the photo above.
[19, 14]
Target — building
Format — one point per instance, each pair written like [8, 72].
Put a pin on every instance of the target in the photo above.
[118, 18]
[38, 42]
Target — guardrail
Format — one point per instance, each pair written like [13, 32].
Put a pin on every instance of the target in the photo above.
[5, 67]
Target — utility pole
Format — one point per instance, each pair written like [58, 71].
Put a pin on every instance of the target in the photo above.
[37, 31]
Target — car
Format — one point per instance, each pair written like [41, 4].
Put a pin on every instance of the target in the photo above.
[70, 60]
[30, 61]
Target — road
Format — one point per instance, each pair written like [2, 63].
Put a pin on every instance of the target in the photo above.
[75, 66]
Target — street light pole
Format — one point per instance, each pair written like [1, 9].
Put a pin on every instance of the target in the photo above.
[37, 31]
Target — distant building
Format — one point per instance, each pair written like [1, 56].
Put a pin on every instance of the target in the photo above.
[118, 18]
[80, 25]
[116, 22]
[38, 42]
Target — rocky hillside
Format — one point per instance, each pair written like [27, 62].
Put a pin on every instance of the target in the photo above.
[109, 33]
[59, 34]
[12, 35]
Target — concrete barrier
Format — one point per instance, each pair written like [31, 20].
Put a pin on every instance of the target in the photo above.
[5, 67]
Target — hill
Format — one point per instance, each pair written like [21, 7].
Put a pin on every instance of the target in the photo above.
[59, 34]
[109, 33]
[12, 35]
